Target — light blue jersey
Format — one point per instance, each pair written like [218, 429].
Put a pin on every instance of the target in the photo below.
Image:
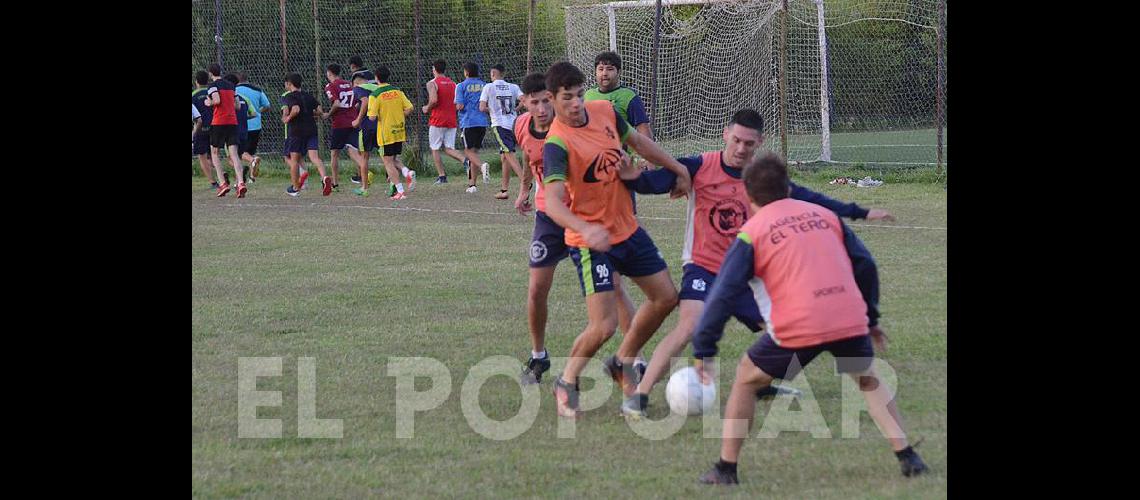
[467, 93]
[259, 100]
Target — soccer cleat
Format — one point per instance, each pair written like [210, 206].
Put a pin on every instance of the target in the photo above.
[398, 196]
[625, 376]
[532, 374]
[326, 185]
[411, 180]
[635, 406]
[304, 178]
[640, 365]
[470, 189]
[241, 190]
[292, 192]
[360, 192]
[774, 390]
[486, 172]
[717, 476]
[441, 180]
[213, 186]
[391, 189]
[910, 463]
[336, 188]
[502, 195]
[223, 189]
[355, 179]
[566, 398]
[255, 165]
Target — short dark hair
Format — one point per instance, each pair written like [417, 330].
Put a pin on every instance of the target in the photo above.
[294, 78]
[534, 82]
[382, 73]
[356, 60]
[365, 74]
[242, 76]
[202, 77]
[563, 75]
[608, 57]
[334, 68]
[440, 66]
[214, 69]
[471, 69]
[749, 118]
[230, 77]
[500, 68]
[766, 178]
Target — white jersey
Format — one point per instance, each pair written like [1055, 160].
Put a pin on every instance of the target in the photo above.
[501, 98]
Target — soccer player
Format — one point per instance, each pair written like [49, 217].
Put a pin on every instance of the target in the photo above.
[363, 86]
[260, 102]
[718, 207]
[388, 106]
[581, 158]
[806, 286]
[201, 135]
[500, 99]
[299, 117]
[548, 245]
[224, 128]
[442, 121]
[473, 122]
[244, 111]
[343, 109]
[607, 71]
[356, 65]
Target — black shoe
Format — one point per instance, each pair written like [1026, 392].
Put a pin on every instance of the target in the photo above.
[774, 390]
[717, 476]
[910, 463]
[635, 406]
[641, 366]
[532, 374]
[624, 375]
[355, 179]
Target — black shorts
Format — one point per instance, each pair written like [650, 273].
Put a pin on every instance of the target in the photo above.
[202, 143]
[852, 355]
[393, 149]
[341, 137]
[250, 144]
[224, 135]
[473, 137]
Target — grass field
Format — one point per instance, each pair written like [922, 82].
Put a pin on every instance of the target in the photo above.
[353, 281]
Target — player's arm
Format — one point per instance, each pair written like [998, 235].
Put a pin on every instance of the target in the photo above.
[213, 97]
[459, 91]
[848, 210]
[731, 281]
[360, 114]
[661, 181]
[433, 97]
[639, 118]
[319, 112]
[865, 270]
[407, 104]
[263, 100]
[484, 97]
[291, 113]
[554, 166]
[657, 156]
[522, 203]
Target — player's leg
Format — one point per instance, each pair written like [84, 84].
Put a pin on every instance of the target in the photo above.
[626, 310]
[390, 168]
[547, 248]
[334, 160]
[594, 275]
[738, 414]
[205, 166]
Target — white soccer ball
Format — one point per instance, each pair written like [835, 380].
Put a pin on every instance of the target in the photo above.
[686, 395]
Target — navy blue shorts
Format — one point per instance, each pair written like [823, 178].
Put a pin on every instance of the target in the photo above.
[363, 139]
[202, 143]
[341, 137]
[852, 355]
[548, 243]
[697, 282]
[300, 144]
[636, 256]
[506, 139]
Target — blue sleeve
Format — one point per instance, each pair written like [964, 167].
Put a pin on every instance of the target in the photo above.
[731, 281]
[622, 125]
[636, 111]
[865, 270]
[849, 210]
[554, 162]
[459, 89]
[661, 180]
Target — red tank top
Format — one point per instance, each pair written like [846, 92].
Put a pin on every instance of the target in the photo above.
[718, 208]
[443, 114]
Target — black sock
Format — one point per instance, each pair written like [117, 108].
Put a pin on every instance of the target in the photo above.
[903, 453]
[727, 467]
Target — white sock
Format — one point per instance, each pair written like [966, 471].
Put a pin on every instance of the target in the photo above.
[404, 171]
[400, 187]
[538, 355]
